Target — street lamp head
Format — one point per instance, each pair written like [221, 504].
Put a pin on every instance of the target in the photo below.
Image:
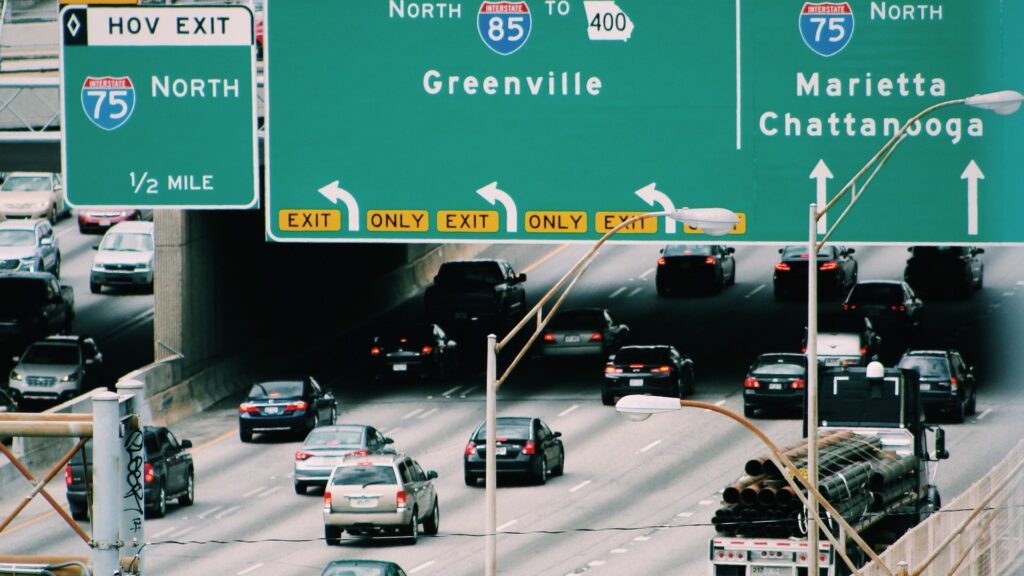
[1003, 102]
[713, 221]
[638, 407]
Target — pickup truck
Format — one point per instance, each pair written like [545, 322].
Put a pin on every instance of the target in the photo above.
[168, 473]
[34, 305]
[486, 291]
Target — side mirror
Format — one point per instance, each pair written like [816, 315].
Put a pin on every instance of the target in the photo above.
[940, 444]
[16, 359]
[780, 250]
[556, 434]
[186, 443]
[522, 277]
[910, 249]
[623, 329]
[431, 475]
[452, 344]
[46, 241]
[95, 246]
[388, 441]
[90, 361]
[662, 251]
[850, 250]
[730, 250]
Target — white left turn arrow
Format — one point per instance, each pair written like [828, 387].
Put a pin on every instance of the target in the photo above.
[652, 196]
[822, 174]
[492, 194]
[972, 174]
[333, 192]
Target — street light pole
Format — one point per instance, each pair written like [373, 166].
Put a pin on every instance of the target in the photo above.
[713, 221]
[1002, 103]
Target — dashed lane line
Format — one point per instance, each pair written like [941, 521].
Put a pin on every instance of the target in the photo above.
[255, 566]
[254, 491]
[617, 292]
[227, 512]
[182, 532]
[208, 512]
[755, 291]
[619, 550]
[468, 391]
[568, 410]
[634, 291]
[266, 493]
[706, 502]
[164, 531]
[1011, 293]
[544, 259]
[684, 514]
[983, 414]
[426, 414]
[579, 486]
[392, 431]
[719, 403]
[649, 446]
[647, 273]
[413, 413]
[423, 566]
[505, 525]
[451, 391]
[641, 539]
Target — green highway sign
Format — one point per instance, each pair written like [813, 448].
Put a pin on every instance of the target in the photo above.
[159, 106]
[553, 120]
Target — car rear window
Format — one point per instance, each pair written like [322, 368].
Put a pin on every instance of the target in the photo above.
[360, 475]
[519, 430]
[573, 319]
[642, 356]
[939, 251]
[470, 273]
[329, 437]
[926, 367]
[21, 294]
[355, 571]
[51, 354]
[794, 252]
[687, 250]
[876, 293]
[780, 367]
[275, 390]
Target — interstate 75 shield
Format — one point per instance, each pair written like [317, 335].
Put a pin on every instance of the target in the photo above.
[504, 26]
[108, 101]
[826, 27]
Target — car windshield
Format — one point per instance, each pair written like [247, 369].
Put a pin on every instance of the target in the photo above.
[26, 184]
[470, 273]
[519, 429]
[21, 295]
[334, 437]
[688, 250]
[344, 570]
[780, 367]
[575, 319]
[642, 356]
[127, 242]
[63, 354]
[17, 238]
[876, 293]
[275, 390]
[363, 474]
[926, 367]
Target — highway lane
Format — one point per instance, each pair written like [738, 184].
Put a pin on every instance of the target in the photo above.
[636, 497]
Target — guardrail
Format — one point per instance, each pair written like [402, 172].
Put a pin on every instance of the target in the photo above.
[979, 533]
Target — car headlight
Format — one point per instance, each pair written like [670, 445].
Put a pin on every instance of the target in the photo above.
[97, 267]
[15, 375]
[29, 264]
[40, 205]
[70, 377]
[143, 267]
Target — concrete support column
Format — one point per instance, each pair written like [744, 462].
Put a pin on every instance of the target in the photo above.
[106, 485]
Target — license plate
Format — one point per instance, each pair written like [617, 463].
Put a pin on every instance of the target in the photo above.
[926, 387]
[399, 367]
[775, 386]
[501, 450]
[636, 382]
[363, 502]
[104, 222]
[768, 570]
[572, 339]
[833, 361]
[273, 410]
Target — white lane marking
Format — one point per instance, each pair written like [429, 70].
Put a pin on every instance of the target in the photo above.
[595, 563]
[413, 413]
[617, 292]
[647, 273]
[451, 390]
[250, 569]
[182, 532]
[994, 305]
[268, 492]
[719, 403]
[208, 512]
[290, 475]
[579, 486]
[649, 446]
[165, 531]
[469, 391]
[1020, 282]
[755, 291]
[634, 292]
[505, 525]
[569, 409]
[422, 566]
[427, 413]
[1008, 293]
[227, 512]
[684, 514]
[706, 502]
[641, 539]
[619, 551]
[392, 431]
[985, 413]
[254, 491]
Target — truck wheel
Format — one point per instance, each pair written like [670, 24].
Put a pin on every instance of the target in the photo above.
[607, 399]
[160, 508]
[244, 435]
[432, 524]
[300, 487]
[80, 514]
[958, 411]
[332, 534]
[972, 404]
[541, 477]
[749, 410]
[412, 531]
[95, 287]
[189, 497]
[470, 480]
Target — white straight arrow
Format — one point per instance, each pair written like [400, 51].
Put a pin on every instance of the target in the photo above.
[652, 196]
[333, 192]
[972, 174]
[493, 194]
[822, 174]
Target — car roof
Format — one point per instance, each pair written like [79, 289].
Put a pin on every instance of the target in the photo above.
[795, 356]
[378, 459]
[665, 347]
[63, 338]
[43, 275]
[132, 226]
[879, 282]
[928, 352]
[13, 174]
[20, 224]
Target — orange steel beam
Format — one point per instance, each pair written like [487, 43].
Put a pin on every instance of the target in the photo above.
[40, 488]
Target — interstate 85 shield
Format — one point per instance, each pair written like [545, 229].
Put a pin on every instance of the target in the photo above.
[504, 26]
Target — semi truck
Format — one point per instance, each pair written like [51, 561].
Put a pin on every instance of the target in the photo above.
[874, 467]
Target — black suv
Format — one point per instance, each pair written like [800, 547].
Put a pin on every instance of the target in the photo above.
[945, 269]
[947, 382]
[168, 473]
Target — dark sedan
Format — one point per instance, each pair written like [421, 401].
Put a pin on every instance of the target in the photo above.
[891, 305]
[659, 370]
[417, 351]
[687, 266]
[362, 568]
[290, 406]
[326, 446]
[775, 381]
[945, 269]
[526, 447]
[582, 332]
[837, 271]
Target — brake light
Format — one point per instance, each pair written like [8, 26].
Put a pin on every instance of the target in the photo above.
[803, 349]
[612, 370]
[529, 449]
[300, 455]
[295, 406]
[847, 307]
[427, 350]
[470, 449]
[246, 408]
[797, 384]
[400, 498]
[636, 365]
[549, 337]
[751, 383]
[953, 384]
[147, 473]
[327, 501]
[596, 337]
[900, 308]
[403, 340]
[829, 266]
[67, 475]
[863, 350]
[709, 260]
[358, 453]
[661, 262]
[782, 267]
[375, 351]
[662, 369]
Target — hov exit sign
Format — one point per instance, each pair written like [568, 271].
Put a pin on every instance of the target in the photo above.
[159, 106]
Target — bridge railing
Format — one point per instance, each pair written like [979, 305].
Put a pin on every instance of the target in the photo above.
[979, 533]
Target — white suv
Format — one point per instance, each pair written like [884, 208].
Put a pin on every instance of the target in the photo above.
[125, 257]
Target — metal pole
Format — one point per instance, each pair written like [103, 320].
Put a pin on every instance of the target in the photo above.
[491, 470]
[106, 501]
[812, 386]
[132, 505]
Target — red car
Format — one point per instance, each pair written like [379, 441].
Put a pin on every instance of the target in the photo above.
[99, 220]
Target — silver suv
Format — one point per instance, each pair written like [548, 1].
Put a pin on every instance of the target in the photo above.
[381, 494]
[57, 368]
